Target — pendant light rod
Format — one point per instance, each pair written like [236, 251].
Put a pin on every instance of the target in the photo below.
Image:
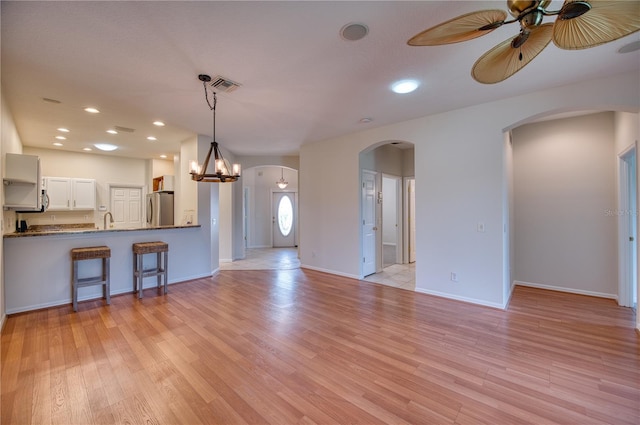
[282, 183]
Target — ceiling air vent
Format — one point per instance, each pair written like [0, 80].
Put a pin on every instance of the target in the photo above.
[223, 84]
[123, 129]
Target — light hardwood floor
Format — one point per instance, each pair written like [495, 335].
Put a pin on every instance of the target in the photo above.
[299, 346]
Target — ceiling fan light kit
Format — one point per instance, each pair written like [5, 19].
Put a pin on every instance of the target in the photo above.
[579, 25]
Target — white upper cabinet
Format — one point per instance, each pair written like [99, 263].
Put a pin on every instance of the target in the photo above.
[71, 194]
[84, 194]
[22, 189]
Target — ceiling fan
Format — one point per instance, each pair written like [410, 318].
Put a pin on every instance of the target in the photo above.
[579, 25]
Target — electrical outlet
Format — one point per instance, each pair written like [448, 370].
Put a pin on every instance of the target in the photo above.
[454, 277]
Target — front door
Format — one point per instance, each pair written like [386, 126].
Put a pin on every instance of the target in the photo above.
[284, 219]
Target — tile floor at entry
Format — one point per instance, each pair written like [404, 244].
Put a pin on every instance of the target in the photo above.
[397, 275]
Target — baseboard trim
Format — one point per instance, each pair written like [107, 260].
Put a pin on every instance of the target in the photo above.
[320, 269]
[464, 299]
[563, 289]
[58, 303]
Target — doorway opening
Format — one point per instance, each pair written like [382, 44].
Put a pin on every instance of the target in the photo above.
[265, 246]
[387, 211]
[392, 241]
[628, 232]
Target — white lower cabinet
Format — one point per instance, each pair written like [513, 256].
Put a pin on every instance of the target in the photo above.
[67, 194]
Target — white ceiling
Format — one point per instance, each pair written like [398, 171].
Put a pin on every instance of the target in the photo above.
[138, 61]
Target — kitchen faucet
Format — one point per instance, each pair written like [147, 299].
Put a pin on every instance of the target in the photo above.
[105, 219]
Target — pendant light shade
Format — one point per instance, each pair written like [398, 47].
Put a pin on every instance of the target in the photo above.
[282, 184]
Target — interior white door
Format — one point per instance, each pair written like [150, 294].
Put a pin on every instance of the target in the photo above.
[284, 219]
[628, 236]
[368, 205]
[126, 207]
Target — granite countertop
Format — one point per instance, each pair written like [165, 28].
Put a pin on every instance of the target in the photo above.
[84, 228]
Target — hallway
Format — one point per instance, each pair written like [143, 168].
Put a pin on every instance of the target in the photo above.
[401, 276]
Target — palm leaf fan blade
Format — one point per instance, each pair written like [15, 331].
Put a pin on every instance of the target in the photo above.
[504, 60]
[462, 28]
[606, 21]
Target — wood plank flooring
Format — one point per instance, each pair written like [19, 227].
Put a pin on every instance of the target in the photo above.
[303, 347]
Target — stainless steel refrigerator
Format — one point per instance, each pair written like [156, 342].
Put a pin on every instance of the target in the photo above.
[160, 209]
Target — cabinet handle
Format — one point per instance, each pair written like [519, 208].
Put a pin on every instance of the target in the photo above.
[67, 203]
[74, 203]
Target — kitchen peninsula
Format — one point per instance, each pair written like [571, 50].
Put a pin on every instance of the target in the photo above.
[37, 265]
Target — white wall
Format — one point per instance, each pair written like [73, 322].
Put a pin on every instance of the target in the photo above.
[186, 203]
[460, 181]
[564, 183]
[9, 143]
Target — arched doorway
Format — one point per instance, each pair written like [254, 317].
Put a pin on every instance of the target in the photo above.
[583, 165]
[387, 217]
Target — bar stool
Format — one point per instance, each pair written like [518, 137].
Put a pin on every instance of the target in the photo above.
[161, 249]
[91, 253]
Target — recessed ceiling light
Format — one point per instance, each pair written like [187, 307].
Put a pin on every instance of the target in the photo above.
[91, 110]
[87, 149]
[151, 138]
[354, 31]
[64, 130]
[112, 131]
[158, 123]
[365, 120]
[58, 144]
[404, 86]
[163, 156]
[61, 138]
[105, 147]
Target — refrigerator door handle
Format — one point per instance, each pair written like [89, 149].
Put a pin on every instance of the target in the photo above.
[149, 210]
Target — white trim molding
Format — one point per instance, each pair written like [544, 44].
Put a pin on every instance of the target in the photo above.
[569, 290]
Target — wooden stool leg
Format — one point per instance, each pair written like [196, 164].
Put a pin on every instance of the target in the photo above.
[106, 276]
[140, 274]
[158, 268]
[75, 285]
[135, 272]
[166, 271]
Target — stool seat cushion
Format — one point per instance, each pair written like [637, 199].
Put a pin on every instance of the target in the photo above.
[150, 247]
[90, 253]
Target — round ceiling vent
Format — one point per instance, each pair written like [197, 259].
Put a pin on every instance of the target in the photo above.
[354, 31]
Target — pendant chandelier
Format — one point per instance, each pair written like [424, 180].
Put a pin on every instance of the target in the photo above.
[223, 172]
[282, 184]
